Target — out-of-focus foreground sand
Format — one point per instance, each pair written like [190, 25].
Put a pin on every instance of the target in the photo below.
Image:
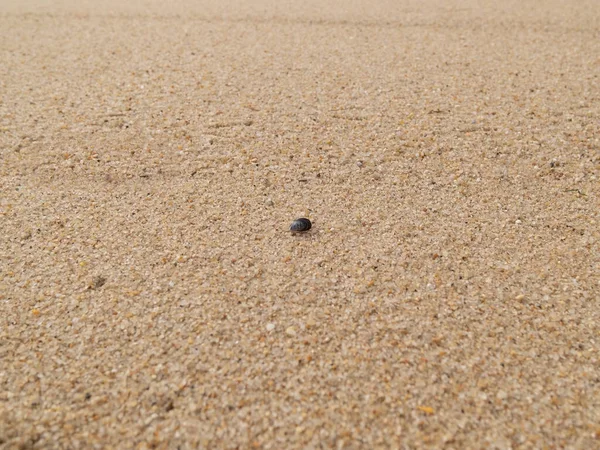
[153, 156]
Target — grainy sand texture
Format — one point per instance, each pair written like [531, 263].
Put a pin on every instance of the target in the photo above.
[153, 155]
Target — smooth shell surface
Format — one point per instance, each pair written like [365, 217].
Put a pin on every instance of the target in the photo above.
[300, 225]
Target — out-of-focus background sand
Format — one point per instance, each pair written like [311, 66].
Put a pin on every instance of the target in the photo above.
[153, 155]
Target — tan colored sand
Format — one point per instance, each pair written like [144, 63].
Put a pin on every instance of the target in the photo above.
[152, 158]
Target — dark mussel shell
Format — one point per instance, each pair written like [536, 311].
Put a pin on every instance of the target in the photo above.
[300, 225]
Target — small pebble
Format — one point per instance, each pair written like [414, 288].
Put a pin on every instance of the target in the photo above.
[301, 224]
[97, 282]
[270, 326]
[311, 323]
[290, 331]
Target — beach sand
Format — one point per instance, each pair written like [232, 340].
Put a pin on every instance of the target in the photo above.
[153, 156]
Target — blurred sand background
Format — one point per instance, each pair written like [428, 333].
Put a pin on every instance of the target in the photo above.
[152, 157]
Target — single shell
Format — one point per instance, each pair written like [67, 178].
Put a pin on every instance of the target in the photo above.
[300, 225]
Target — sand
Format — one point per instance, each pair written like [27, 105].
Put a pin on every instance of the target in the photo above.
[153, 156]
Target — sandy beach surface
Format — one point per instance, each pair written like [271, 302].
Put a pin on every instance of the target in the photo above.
[153, 156]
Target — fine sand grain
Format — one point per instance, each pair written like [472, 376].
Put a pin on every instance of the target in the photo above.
[153, 156]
